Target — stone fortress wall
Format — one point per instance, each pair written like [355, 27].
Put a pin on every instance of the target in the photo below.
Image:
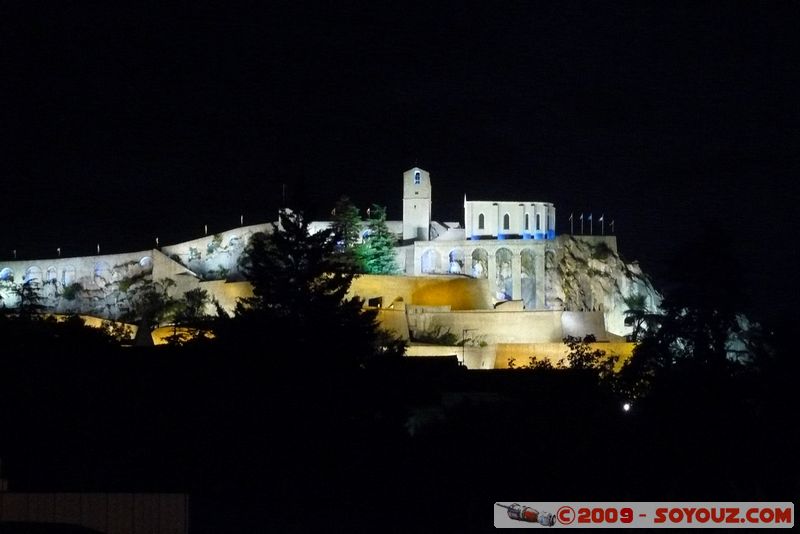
[506, 282]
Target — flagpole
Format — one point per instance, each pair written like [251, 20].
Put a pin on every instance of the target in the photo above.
[571, 223]
[591, 225]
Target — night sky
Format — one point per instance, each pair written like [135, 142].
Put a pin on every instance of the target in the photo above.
[126, 121]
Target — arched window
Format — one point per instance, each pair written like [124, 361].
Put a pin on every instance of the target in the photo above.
[33, 276]
[527, 221]
[68, 275]
[7, 275]
[506, 221]
[430, 261]
[417, 178]
[538, 222]
[481, 221]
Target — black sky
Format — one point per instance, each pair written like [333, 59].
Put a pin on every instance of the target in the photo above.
[126, 121]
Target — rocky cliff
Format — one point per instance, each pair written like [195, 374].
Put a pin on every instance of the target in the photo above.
[587, 274]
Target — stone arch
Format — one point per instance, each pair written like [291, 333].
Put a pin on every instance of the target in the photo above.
[430, 261]
[33, 276]
[7, 274]
[504, 284]
[456, 261]
[68, 275]
[480, 263]
[102, 273]
[528, 280]
[50, 282]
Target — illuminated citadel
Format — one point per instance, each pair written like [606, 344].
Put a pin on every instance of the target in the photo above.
[502, 283]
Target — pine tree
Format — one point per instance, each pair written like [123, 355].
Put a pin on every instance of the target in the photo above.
[346, 230]
[376, 253]
[151, 305]
[300, 293]
[346, 223]
[30, 302]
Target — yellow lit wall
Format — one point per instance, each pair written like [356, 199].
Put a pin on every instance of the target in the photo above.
[521, 352]
[227, 293]
[458, 292]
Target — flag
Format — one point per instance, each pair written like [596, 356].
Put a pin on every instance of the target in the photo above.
[601, 218]
[590, 216]
[581, 217]
[570, 217]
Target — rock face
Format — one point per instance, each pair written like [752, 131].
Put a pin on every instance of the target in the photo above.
[585, 274]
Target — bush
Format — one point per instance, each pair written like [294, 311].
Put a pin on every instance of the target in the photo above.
[71, 291]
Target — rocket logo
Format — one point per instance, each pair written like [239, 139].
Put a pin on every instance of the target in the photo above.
[528, 514]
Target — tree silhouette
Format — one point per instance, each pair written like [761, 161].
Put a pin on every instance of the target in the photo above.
[346, 223]
[30, 302]
[151, 304]
[637, 316]
[699, 315]
[300, 286]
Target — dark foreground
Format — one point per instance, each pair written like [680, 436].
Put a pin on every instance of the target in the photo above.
[417, 445]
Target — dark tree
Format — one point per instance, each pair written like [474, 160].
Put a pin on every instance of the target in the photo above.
[637, 316]
[346, 223]
[700, 314]
[191, 322]
[30, 302]
[300, 294]
[191, 307]
[151, 304]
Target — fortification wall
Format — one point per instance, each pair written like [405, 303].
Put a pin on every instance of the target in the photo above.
[215, 256]
[394, 320]
[471, 356]
[581, 324]
[87, 285]
[520, 353]
[227, 293]
[495, 326]
[458, 292]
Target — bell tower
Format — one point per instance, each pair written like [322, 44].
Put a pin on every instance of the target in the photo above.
[416, 204]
